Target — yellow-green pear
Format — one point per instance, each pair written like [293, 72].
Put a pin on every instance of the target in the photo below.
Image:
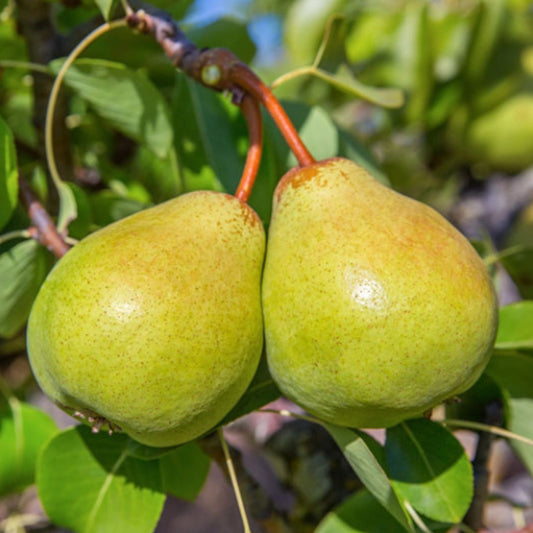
[502, 138]
[154, 322]
[375, 307]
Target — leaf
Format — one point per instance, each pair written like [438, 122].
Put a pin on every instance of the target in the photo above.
[304, 26]
[226, 33]
[184, 471]
[22, 270]
[8, 174]
[125, 98]
[430, 469]
[519, 265]
[490, 19]
[68, 208]
[513, 372]
[414, 58]
[262, 390]
[350, 148]
[362, 458]
[107, 207]
[23, 431]
[88, 483]
[345, 81]
[360, 513]
[206, 138]
[319, 134]
[106, 7]
[515, 331]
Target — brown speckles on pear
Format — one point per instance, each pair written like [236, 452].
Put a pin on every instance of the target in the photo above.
[154, 303]
[378, 291]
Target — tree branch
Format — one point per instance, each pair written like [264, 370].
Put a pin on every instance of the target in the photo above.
[43, 230]
[218, 69]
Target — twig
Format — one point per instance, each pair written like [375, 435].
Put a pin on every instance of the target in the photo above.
[478, 426]
[234, 481]
[474, 516]
[218, 69]
[254, 120]
[43, 230]
[260, 505]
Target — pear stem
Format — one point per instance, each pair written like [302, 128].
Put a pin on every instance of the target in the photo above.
[254, 120]
[234, 481]
[249, 81]
[43, 230]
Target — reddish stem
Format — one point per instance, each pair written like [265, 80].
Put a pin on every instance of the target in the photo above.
[254, 120]
[245, 78]
[44, 230]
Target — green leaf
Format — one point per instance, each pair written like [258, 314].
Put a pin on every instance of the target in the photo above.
[519, 265]
[515, 331]
[88, 483]
[68, 208]
[206, 138]
[345, 81]
[22, 270]
[360, 513]
[128, 100]
[513, 372]
[106, 7]
[361, 453]
[107, 207]
[8, 174]
[319, 134]
[430, 469]
[184, 471]
[262, 390]
[23, 431]
[350, 148]
[413, 59]
[305, 23]
[82, 224]
[488, 26]
[226, 33]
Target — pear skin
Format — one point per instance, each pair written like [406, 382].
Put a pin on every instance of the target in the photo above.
[375, 307]
[154, 323]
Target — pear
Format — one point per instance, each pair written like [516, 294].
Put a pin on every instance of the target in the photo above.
[375, 307]
[502, 138]
[153, 324]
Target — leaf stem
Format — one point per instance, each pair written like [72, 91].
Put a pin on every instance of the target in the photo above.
[234, 481]
[48, 133]
[36, 67]
[254, 120]
[478, 426]
[290, 414]
[16, 234]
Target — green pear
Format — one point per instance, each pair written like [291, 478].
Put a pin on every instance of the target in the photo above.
[375, 307]
[502, 138]
[153, 324]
